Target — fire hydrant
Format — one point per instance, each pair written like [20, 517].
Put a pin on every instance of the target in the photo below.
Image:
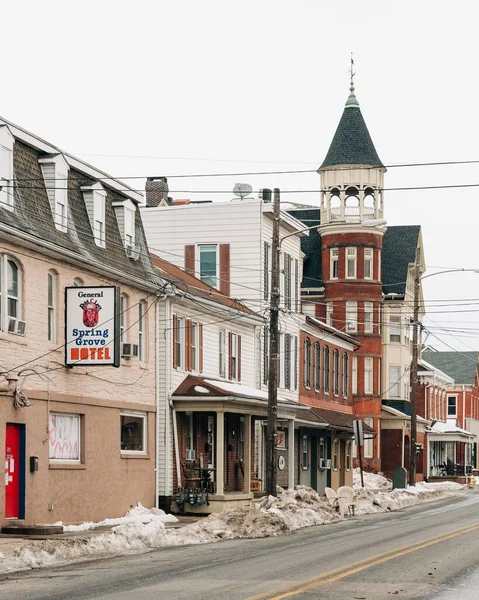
[471, 481]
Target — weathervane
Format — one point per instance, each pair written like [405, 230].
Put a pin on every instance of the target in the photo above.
[351, 71]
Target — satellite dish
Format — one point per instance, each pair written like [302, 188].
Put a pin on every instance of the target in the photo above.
[242, 190]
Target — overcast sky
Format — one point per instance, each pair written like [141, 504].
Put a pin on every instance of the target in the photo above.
[186, 87]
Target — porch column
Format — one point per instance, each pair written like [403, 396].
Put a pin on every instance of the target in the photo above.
[290, 454]
[247, 454]
[220, 448]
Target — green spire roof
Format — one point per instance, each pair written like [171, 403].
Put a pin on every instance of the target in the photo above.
[352, 144]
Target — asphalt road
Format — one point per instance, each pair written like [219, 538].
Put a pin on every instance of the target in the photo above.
[428, 552]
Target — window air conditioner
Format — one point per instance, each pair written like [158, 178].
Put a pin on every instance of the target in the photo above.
[190, 455]
[16, 326]
[129, 350]
[132, 251]
[324, 463]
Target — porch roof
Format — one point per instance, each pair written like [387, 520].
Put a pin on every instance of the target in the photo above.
[449, 432]
[330, 419]
[204, 390]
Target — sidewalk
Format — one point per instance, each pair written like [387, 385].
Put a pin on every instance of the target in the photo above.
[10, 544]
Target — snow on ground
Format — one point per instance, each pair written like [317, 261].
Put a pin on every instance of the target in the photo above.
[143, 529]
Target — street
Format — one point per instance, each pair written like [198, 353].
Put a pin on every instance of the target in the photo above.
[429, 551]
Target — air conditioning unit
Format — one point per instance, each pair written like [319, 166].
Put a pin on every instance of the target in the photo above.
[132, 251]
[190, 455]
[324, 463]
[129, 350]
[16, 326]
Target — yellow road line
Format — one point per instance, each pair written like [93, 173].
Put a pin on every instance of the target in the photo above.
[287, 591]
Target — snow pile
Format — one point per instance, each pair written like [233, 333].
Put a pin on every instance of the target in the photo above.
[142, 529]
[136, 514]
[371, 481]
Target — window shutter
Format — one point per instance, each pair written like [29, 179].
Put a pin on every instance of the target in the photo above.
[225, 269]
[200, 335]
[230, 358]
[238, 359]
[188, 345]
[190, 259]
[175, 341]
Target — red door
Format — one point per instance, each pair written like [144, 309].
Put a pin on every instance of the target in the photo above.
[12, 472]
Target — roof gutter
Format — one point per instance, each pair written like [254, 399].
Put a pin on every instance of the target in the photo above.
[32, 242]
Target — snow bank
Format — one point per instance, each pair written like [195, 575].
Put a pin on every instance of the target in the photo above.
[142, 529]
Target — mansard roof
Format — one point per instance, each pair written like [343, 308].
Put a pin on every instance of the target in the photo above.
[399, 251]
[461, 366]
[311, 247]
[352, 143]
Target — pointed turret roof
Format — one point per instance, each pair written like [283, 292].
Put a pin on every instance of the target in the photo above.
[352, 144]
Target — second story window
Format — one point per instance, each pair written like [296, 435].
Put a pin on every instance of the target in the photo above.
[221, 353]
[368, 263]
[394, 381]
[351, 317]
[326, 367]
[52, 305]
[334, 263]
[10, 295]
[351, 263]
[317, 366]
[287, 281]
[329, 314]
[307, 363]
[354, 375]
[287, 361]
[141, 331]
[395, 329]
[336, 372]
[452, 406]
[368, 375]
[345, 375]
[194, 344]
[234, 351]
[266, 274]
[368, 317]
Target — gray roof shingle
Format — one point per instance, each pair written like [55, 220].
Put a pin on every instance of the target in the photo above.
[461, 366]
[399, 250]
[311, 246]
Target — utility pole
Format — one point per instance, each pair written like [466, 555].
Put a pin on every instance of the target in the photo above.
[271, 430]
[414, 362]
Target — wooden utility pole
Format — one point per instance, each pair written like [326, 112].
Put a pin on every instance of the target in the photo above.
[414, 363]
[272, 426]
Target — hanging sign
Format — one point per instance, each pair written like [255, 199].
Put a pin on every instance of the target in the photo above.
[92, 335]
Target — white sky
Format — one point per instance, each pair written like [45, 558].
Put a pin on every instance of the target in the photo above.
[179, 87]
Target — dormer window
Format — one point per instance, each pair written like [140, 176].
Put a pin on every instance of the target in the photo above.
[6, 168]
[125, 212]
[55, 174]
[95, 196]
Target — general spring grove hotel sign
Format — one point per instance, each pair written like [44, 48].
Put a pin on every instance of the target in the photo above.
[92, 326]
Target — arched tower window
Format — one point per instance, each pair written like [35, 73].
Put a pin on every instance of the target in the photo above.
[369, 203]
[351, 204]
[335, 204]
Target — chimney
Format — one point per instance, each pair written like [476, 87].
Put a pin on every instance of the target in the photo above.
[156, 190]
[266, 194]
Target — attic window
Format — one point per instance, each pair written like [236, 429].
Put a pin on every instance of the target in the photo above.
[95, 204]
[125, 212]
[6, 168]
[55, 174]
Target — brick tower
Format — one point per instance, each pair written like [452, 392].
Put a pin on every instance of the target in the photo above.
[352, 229]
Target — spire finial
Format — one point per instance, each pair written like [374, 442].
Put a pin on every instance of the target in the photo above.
[352, 101]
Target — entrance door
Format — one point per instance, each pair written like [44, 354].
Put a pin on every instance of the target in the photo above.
[13, 471]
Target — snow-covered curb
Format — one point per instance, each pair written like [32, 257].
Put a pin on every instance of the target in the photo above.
[143, 529]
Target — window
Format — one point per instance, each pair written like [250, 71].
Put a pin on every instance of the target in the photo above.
[368, 263]
[334, 260]
[394, 381]
[6, 168]
[10, 291]
[295, 363]
[141, 331]
[64, 438]
[77, 282]
[335, 455]
[351, 254]
[368, 441]
[368, 375]
[287, 361]
[326, 370]
[368, 317]
[194, 346]
[55, 174]
[351, 316]
[305, 453]
[208, 264]
[354, 375]
[178, 342]
[345, 375]
[317, 366]
[52, 305]
[394, 329]
[329, 314]
[234, 351]
[321, 451]
[336, 372]
[133, 432]
[452, 406]
[287, 281]
[296, 285]
[348, 455]
[266, 274]
[123, 315]
[307, 362]
[221, 353]
[265, 355]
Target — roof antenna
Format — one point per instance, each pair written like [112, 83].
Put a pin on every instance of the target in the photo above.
[351, 71]
[351, 101]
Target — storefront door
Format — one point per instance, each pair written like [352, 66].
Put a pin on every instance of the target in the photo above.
[14, 475]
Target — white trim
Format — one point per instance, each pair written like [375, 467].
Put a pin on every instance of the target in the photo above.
[144, 417]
